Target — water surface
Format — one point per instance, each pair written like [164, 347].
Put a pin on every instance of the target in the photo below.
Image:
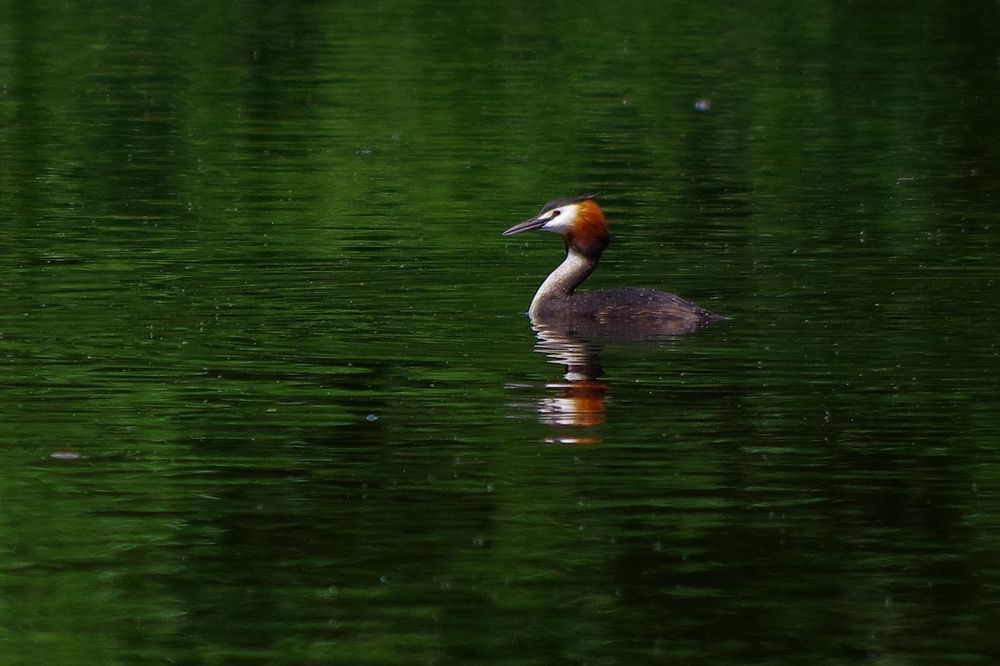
[270, 395]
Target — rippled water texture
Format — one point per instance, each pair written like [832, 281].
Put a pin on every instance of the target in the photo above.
[269, 394]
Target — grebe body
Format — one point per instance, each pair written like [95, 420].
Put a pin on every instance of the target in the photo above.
[582, 225]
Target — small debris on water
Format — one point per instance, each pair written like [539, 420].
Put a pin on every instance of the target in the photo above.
[66, 455]
[371, 418]
[703, 105]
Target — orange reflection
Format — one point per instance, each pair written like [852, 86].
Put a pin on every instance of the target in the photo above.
[578, 402]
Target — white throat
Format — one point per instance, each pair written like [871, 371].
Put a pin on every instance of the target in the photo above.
[562, 281]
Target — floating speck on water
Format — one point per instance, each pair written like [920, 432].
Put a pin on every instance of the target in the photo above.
[371, 418]
[703, 105]
[66, 455]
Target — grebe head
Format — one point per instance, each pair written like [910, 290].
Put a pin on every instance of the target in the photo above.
[579, 220]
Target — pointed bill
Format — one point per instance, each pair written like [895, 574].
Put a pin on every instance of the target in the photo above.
[536, 222]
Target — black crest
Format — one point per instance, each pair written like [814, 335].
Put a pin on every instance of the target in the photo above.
[556, 203]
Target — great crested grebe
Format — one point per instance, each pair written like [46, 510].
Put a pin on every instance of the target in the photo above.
[581, 223]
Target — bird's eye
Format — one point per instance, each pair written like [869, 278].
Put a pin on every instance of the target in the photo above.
[555, 213]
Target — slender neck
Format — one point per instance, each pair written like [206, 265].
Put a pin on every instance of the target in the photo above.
[561, 282]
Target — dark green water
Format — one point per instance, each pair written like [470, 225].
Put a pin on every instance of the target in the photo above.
[268, 392]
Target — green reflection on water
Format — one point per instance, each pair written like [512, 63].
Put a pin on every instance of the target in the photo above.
[251, 272]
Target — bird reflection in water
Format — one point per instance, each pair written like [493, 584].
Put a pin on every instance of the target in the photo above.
[568, 323]
[575, 405]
